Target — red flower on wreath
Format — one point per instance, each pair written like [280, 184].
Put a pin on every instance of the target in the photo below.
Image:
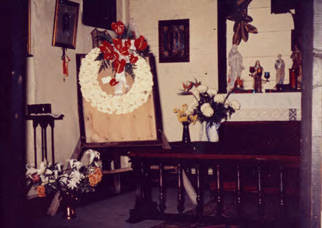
[127, 43]
[140, 43]
[118, 27]
[106, 47]
[124, 50]
[119, 51]
[111, 56]
[113, 82]
[119, 65]
[117, 43]
[133, 59]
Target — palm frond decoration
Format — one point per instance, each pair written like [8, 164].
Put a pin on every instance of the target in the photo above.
[242, 28]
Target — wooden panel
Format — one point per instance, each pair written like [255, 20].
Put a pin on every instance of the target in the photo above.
[136, 126]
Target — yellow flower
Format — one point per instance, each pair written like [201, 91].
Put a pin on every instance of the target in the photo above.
[193, 118]
[184, 108]
[184, 115]
[183, 119]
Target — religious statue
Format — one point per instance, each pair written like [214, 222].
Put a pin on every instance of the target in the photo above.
[297, 66]
[256, 72]
[280, 70]
[235, 62]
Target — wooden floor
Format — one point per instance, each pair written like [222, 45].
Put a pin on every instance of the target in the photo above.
[106, 209]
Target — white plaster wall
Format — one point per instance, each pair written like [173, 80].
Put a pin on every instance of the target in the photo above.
[273, 38]
[49, 86]
[203, 51]
[46, 84]
[45, 78]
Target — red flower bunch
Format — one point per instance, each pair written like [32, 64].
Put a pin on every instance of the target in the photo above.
[118, 27]
[122, 51]
[140, 43]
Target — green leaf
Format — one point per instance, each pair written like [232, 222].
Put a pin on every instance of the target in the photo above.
[129, 69]
[100, 57]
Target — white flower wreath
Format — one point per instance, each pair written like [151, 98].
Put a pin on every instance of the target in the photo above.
[117, 104]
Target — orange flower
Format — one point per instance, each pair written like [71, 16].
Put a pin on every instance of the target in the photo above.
[92, 180]
[95, 177]
[99, 174]
[41, 191]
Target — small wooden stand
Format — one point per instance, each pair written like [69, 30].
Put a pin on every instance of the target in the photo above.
[41, 115]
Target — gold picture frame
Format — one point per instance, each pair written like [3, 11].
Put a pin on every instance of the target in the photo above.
[65, 24]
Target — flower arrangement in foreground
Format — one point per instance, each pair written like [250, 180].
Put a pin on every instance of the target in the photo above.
[77, 178]
[123, 54]
[209, 106]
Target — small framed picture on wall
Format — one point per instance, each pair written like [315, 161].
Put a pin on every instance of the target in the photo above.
[174, 41]
[65, 24]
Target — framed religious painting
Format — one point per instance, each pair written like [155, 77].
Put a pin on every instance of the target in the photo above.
[174, 41]
[65, 24]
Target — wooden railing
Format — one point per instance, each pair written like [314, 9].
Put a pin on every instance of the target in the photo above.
[222, 172]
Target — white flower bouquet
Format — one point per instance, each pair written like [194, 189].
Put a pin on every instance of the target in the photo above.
[210, 106]
[75, 179]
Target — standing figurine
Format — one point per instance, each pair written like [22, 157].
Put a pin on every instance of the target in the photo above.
[235, 62]
[256, 72]
[280, 70]
[297, 65]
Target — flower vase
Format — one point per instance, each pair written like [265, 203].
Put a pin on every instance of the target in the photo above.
[186, 133]
[209, 132]
[69, 201]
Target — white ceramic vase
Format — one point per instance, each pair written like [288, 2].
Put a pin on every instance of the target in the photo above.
[209, 132]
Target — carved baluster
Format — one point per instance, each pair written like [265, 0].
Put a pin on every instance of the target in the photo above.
[162, 189]
[219, 191]
[180, 206]
[135, 213]
[34, 124]
[138, 169]
[199, 174]
[43, 125]
[144, 207]
[282, 191]
[52, 125]
[260, 190]
[238, 191]
[147, 182]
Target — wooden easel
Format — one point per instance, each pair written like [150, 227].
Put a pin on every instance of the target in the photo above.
[116, 138]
